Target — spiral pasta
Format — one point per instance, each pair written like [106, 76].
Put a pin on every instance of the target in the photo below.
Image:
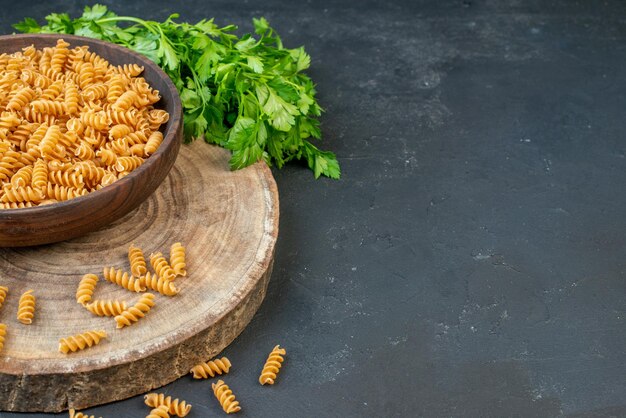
[3, 334]
[74, 414]
[161, 266]
[137, 261]
[175, 406]
[225, 397]
[177, 259]
[135, 312]
[106, 307]
[86, 287]
[26, 308]
[81, 341]
[161, 285]
[272, 366]
[161, 411]
[67, 112]
[211, 368]
[3, 294]
[122, 279]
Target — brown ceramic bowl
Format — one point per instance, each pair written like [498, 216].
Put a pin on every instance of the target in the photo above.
[75, 217]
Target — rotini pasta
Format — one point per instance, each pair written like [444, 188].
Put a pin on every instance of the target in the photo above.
[26, 308]
[225, 397]
[86, 287]
[137, 261]
[66, 113]
[3, 334]
[211, 368]
[161, 285]
[123, 279]
[135, 312]
[106, 307]
[74, 414]
[175, 406]
[3, 294]
[81, 341]
[161, 411]
[161, 266]
[177, 259]
[272, 366]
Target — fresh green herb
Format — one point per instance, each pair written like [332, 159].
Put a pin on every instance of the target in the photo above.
[248, 94]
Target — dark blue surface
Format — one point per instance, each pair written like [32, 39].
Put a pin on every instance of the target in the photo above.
[472, 260]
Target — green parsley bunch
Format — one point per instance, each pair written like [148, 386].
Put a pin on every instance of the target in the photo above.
[248, 94]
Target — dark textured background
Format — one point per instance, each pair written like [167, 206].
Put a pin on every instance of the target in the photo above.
[472, 260]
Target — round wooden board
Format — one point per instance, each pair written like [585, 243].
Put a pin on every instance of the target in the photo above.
[229, 224]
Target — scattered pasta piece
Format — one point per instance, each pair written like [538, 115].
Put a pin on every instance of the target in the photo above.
[225, 397]
[161, 266]
[86, 288]
[74, 414]
[81, 341]
[137, 261]
[159, 412]
[211, 368]
[121, 278]
[3, 333]
[26, 308]
[106, 307]
[177, 259]
[176, 406]
[161, 285]
[3, 294]
[272, 366]
[135, 312]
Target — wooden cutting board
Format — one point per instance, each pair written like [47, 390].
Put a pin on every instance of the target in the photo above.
[229, 224]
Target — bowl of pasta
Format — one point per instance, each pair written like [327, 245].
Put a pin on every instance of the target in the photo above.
[88, 130]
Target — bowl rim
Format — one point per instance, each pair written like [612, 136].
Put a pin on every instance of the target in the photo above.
[169, 134]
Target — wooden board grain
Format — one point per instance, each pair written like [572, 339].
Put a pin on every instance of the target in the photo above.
[229, 223]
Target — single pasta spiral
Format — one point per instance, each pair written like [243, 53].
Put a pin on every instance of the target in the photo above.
[225, 397]
[211, 368]
[3, 333]
[57, 192]
[22, 194]
[137, 261]
[67, 179]
[23, 177]
[40, 174]
[119, 131]
[121, 278]
[159, 412]
[106, 307]
[21, 98]
[135, 312]
[26, 308]
[272, 366]
[74, 414]
[86, 288]
[176, 406]
[160, 284]
[177, 259]
[128, 163]
[3, 294]
[132, 70]
[81, 341]
[161, 266]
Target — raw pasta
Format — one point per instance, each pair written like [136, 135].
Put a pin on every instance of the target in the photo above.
[137, 261]
[81, 341]
[177, 259]
[211, 368]
[135, 312]
[106, 307]
[3, 294]
[86, 288]
[74, 414]
[225, 397]
[71, 123]
[161, 285]
[26, 308]
[161, 411]
[3, 333]
[176, 406]
[121, 278]
[161, 266]
[272, 366]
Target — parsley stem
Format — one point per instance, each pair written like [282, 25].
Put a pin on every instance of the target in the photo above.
[129, 19]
